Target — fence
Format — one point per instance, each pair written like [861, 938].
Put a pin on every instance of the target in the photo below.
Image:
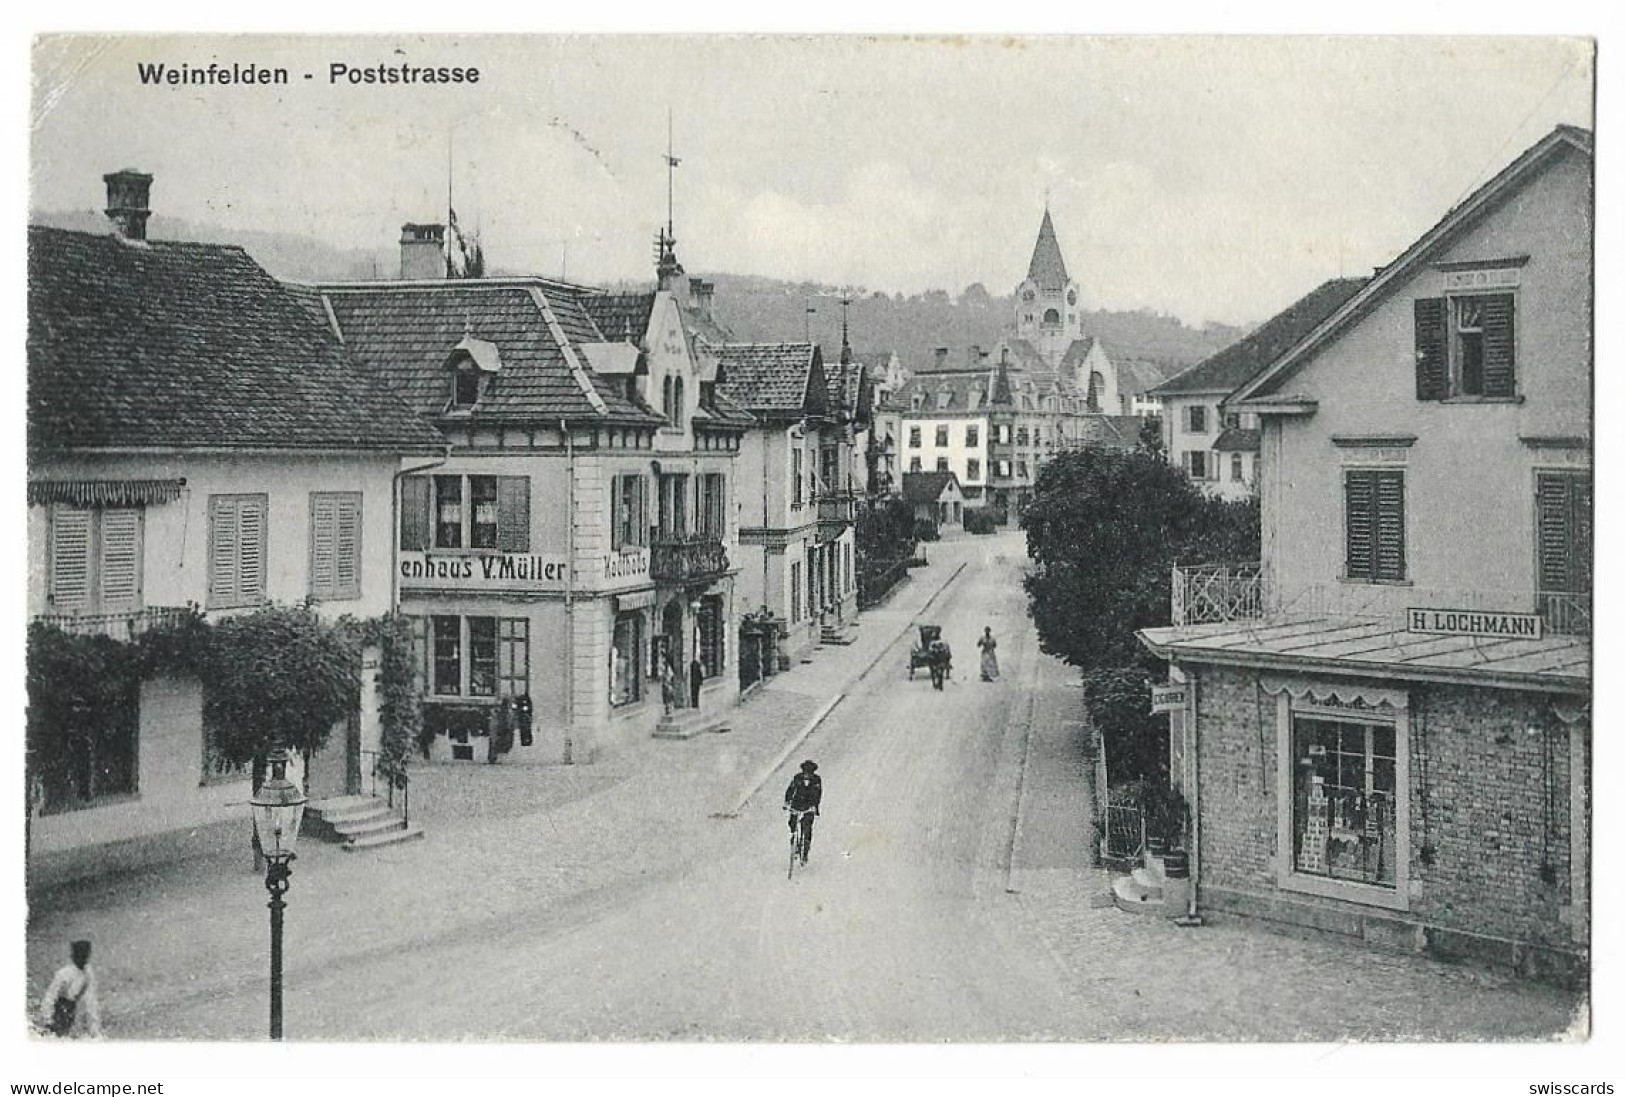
[874, 584]
[1125, 831]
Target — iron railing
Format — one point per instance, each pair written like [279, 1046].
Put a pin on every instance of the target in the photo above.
[684, 557]
[1213, 593]
[119, 626]
[1125, 831]
[1566, 612]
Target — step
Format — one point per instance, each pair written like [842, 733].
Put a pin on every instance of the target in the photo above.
[1130, 895]
[365, 808]
[349, 832]
[1149, 881]
[383, 838]
[687, 723]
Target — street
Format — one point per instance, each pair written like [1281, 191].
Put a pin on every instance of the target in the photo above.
[611, 902]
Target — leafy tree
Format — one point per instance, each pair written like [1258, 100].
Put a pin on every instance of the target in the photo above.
[278, 678]
[1150, 439]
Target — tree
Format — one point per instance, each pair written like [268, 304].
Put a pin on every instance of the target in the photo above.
[1150, 439]
[278, 678]
[1104, 531]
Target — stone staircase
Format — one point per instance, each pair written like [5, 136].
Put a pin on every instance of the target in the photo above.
[1149, 889]
[686, 723]
[358, 823]
[841, 634]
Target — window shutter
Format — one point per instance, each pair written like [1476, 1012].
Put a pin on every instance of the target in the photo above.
[323, 549]
[70, 560]
[513, 513]
[347, 547]
[1499, 346]
[1552, 498]
[1359, 490]
[120, 564]
[415, 517]
[1432, 370]
[251, 572]
[223, 552]
[1390, 556]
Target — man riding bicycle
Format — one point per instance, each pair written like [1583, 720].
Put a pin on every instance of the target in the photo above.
[801, 799]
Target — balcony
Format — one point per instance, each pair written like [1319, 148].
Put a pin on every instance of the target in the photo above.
[836, 511]
[1220, 593]
[118, 626]
[687, 558]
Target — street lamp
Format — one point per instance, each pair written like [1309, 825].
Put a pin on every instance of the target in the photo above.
[278, 806]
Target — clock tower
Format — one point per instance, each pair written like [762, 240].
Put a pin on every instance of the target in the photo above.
[1047, 310]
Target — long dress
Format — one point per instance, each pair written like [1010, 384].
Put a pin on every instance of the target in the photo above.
[990, 661]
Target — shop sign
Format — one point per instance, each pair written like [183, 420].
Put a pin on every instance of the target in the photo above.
[1474, 622]
[1168, 698]
[484, 572]
[630, 564]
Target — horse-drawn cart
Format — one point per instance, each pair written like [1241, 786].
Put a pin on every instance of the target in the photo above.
[931, 652]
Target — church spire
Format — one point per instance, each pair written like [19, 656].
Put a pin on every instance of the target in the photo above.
[1047, 268]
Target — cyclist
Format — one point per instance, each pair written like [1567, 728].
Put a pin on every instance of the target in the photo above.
[801, 800]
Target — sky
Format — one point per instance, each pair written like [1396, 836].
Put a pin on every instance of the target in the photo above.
[1215, 179]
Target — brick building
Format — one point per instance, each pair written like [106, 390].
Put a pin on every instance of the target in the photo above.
[1386, 727]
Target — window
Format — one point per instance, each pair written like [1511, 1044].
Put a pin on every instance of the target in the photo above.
[446, 658]
[1021, 436]
[1563, 540]
[713, 515]
[1344, 817]
[1004, 468]
[795, 590]
[1196, 419]
[673, 515]
[942, 463]
[917, 401]
[1465, 346]
[914, 464]
[973, 469]
[972, 436]
[625, 683]
[474, 656]
[465, 512]
[1374, 524]
[629, 520]
[95, 560]
[829, 460]
[712, 635]
[944, 398]
[236, 550]
[942, 435]
[1038, 436]
[913, 437]
[1232, 421]
[1021, 470]
[1235, 466]
[1052, 316]
[335, 545]
[466, 387]
[513, 656]
[1196, 464]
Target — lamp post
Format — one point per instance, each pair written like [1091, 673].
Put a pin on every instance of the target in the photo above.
[279, 806]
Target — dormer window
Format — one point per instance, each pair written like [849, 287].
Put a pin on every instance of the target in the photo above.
[944, 398]
[471, 360]
[466, 390]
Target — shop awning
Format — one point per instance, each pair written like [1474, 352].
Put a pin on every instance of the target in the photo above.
[638, 599]
[104, 493]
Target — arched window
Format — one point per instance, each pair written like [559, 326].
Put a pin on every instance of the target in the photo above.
[677, 403]
[665, 399]
[1051, 316]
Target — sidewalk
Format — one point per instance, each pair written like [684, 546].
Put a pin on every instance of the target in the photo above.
[505, 848]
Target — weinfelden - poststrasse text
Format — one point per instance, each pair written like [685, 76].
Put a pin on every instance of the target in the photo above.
[338, 72]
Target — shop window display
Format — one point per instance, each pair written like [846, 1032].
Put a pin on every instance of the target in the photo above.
[1343, 802]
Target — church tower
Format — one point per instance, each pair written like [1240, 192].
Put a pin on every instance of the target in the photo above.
[1047, 311]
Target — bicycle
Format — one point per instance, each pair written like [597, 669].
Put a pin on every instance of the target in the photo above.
[798, 850]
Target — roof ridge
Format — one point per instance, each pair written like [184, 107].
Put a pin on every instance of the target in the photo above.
[588, 389]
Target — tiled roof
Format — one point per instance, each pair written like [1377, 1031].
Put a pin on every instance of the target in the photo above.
[1237, 363]
[621, 317]
[407, 330]
[724, 412]
[181, 345]
[1138, 376]
[958, 384]
[1047, 268]
[1375, 647]
[774, 378]
[1111, 431]
[1077, 352]
[1238, 440]
[927, 487]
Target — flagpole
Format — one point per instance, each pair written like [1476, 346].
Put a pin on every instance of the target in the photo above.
[451, 214]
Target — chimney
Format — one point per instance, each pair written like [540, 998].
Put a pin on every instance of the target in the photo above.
[423, 252]
[127, 198]
[708, 296]
[942, 356]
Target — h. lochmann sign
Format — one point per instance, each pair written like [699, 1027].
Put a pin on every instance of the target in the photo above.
[1474, 622]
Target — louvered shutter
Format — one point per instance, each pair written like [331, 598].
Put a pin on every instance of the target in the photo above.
[70, 561]
[1390, 525]
[251, 570]
[1563, 505]
[323, 544]
[415, 517]
[1580, 540]
[224, 551]
[1432, 366]
[347, 545]
[1499, 346]
[119, 568]
[513, 513]
[1359, 491]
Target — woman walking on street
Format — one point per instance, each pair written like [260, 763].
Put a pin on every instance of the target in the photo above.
[990, 661]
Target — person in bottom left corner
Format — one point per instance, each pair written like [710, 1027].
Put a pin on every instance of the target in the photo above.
[69, 1008]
